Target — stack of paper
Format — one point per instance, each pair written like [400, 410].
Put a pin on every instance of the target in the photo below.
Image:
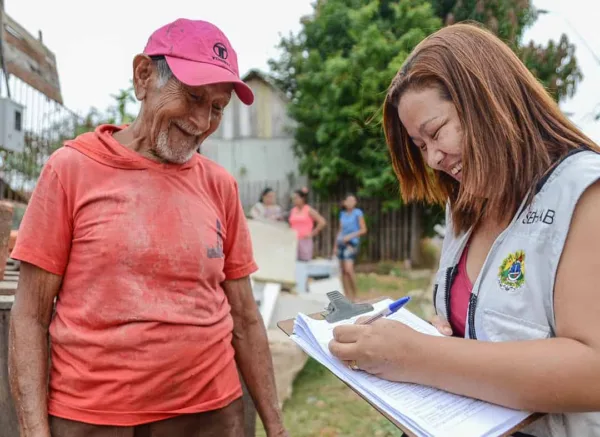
[425, 411]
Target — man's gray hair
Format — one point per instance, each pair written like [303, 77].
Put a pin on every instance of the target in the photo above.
[164, 71]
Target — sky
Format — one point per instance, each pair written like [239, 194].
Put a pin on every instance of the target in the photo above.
[95, 46]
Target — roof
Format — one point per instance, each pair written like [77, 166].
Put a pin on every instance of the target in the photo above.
[266, 78]
[30, 60]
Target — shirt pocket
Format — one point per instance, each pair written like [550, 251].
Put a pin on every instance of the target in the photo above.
[503, 327]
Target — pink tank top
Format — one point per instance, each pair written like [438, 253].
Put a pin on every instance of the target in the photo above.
[460, 294]
[301, 221]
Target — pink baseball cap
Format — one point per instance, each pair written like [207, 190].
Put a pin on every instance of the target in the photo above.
[198, 53]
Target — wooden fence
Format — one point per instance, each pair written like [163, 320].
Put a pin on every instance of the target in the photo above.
[392, 235]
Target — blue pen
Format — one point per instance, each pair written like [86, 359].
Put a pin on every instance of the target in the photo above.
[390, 309]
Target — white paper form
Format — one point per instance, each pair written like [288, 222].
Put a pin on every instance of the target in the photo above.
[424, 410]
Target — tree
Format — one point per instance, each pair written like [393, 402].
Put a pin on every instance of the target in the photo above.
[554, 64]
[336, 71]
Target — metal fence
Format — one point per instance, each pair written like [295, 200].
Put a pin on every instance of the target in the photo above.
[46, 124]
[393, 234]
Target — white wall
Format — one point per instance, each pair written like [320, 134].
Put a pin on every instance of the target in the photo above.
[253, 159]
[255, 162]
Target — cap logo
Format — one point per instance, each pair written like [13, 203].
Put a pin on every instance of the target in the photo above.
[220, 50]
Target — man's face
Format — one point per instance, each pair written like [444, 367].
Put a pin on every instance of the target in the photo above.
[181, 117]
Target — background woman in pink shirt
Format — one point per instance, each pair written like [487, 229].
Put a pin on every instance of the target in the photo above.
[302, 219]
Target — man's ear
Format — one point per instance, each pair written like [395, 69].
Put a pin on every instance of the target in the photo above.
[143, 69]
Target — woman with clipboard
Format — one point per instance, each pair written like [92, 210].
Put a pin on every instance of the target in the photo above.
[469, 127]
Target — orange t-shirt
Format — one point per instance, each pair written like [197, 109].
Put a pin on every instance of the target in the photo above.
[142, 329]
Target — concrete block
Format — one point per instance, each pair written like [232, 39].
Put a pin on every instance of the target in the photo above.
[324, 286]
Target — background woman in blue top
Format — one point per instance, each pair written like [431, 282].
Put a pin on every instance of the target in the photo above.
[352, 227]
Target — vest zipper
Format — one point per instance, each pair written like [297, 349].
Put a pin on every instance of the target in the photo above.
[450, 275]
[435, 290]
[471, 316]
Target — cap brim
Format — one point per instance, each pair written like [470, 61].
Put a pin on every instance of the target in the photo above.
[194, 73]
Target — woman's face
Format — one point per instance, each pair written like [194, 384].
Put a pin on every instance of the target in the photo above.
[435, 128]
[350, 202]
[269, 198]
[297, 200]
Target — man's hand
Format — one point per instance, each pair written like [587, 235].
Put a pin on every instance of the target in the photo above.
[277, 431]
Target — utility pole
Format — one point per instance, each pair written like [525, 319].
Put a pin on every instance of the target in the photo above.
[2, 57]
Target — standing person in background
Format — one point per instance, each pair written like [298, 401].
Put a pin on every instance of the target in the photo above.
[266, 208]
[302, 220]
[352, 227]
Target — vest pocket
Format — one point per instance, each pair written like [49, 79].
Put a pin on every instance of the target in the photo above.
[502, 327]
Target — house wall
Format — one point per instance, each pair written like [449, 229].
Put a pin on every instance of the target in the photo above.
[30, 60]
[266, 118]
[255, 144]
[256, 163]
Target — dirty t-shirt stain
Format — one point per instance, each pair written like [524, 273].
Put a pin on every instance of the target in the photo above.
[142, 329]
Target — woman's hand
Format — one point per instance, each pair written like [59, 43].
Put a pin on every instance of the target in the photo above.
[441, 325]
[382, 348]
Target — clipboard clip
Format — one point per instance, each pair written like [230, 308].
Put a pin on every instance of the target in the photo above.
[340, 308]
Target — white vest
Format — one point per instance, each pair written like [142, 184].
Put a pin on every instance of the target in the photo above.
[512, 298]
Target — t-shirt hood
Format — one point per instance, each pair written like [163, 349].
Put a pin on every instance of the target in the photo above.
[101, 146]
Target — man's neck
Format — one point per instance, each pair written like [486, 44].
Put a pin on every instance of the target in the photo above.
[134, 138]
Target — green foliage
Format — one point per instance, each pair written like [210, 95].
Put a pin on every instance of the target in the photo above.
[118, 113]
[337, 70]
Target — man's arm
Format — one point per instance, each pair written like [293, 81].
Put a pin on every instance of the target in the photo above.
[252, 354]
[28, 348]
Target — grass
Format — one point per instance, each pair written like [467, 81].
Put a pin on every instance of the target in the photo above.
[372, 286]
[323, 406]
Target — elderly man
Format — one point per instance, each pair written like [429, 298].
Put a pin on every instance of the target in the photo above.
[145, 246]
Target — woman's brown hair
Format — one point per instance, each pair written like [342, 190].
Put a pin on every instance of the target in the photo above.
[513, 131]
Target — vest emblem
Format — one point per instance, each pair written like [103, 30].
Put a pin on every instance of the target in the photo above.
[511, 274]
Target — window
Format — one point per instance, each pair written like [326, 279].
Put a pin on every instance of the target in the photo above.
[18, 121]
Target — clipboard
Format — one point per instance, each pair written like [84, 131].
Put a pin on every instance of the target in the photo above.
[287, 326]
